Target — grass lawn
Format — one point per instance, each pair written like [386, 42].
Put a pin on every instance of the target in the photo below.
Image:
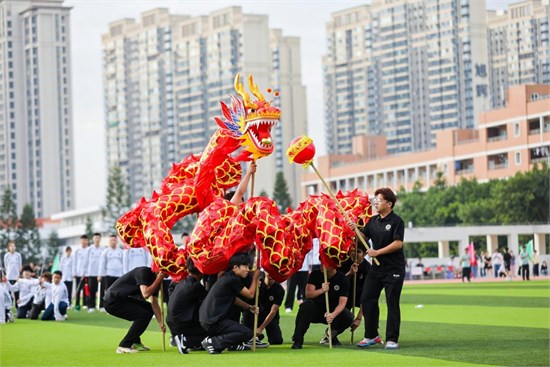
[499, 324]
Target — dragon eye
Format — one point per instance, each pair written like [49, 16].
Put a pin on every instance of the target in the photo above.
[252, 110]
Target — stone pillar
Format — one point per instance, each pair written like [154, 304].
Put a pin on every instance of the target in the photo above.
[513, 244]
[540, 243]
[492, 243]
[462, 244]
[443, 249]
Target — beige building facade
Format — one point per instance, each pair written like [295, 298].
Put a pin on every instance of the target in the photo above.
[508, 140]
[165, 75]
[36, 124]
[518, 46]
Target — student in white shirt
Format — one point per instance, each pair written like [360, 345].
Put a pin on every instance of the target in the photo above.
[43, 293]
[79, 270]
[58, 299]
[13, 263]
[66, 267]
[92, 269]
[135, 258]
[5, 303]
[110, 267]
[27, 287]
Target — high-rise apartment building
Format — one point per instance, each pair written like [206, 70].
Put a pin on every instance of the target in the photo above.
[404, 69]
[518, 45]
[164, 78]
[36, 148]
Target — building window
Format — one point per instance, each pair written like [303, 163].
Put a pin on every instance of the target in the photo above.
[518, 158]
[516, 129]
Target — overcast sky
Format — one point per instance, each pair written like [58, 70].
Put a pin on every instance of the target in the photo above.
[90, 19]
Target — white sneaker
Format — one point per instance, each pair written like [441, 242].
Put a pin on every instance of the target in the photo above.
[102, 309]
[122, 350]
[288, 310]
[91, 310]
[391, 345]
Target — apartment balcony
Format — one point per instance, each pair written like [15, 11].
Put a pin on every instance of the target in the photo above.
[497, 133]
[465, 166]
[497, 161]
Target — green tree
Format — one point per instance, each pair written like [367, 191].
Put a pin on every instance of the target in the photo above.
[28, 239]
[8, 217]
[281, 196]
[52, 245]
[89, 229]
[118, 197]
[263, 193]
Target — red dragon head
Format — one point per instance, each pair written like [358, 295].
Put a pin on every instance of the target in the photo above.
[250, 121]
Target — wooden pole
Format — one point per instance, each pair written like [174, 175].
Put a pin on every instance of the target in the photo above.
[354, 297]
[357, 233]
[328, 309]
[162, 314]
[257, 294]
[256, 302]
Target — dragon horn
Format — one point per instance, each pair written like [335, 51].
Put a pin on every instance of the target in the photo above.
[240, 90]
[254, 89]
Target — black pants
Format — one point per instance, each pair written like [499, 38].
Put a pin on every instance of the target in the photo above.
[226, 333]
[536, 270]
[299, 280]
[311, 312]
[392, 283]
[466, 273]
[131, 309]
[15, 294]
[165, 293]
[69, 286]
[35, 310]
[193, 331]
[106, 282]
[273, 330]
[525, 272]
[92, 287]
[22, 310]
[80, 281]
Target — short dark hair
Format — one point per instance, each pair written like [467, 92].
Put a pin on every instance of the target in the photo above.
[387, 194]
[48, 276]
[26, 268]
[112, 235]
[84, 237]
[229, 195]
[68, 248]
[184, 234]
[191, 268]
[240, 258]
[360, 246]
[97, 234]
[58, 272]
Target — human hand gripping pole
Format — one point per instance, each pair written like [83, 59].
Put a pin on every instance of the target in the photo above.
[301, 150]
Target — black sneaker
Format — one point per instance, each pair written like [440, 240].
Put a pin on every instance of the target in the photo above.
[172, 342]
[259, 343]
[238, 348]
[296, 345]
[180, 343]
[335, 341]
[209, 346]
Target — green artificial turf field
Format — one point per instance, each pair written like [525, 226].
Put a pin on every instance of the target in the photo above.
[501, 324]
